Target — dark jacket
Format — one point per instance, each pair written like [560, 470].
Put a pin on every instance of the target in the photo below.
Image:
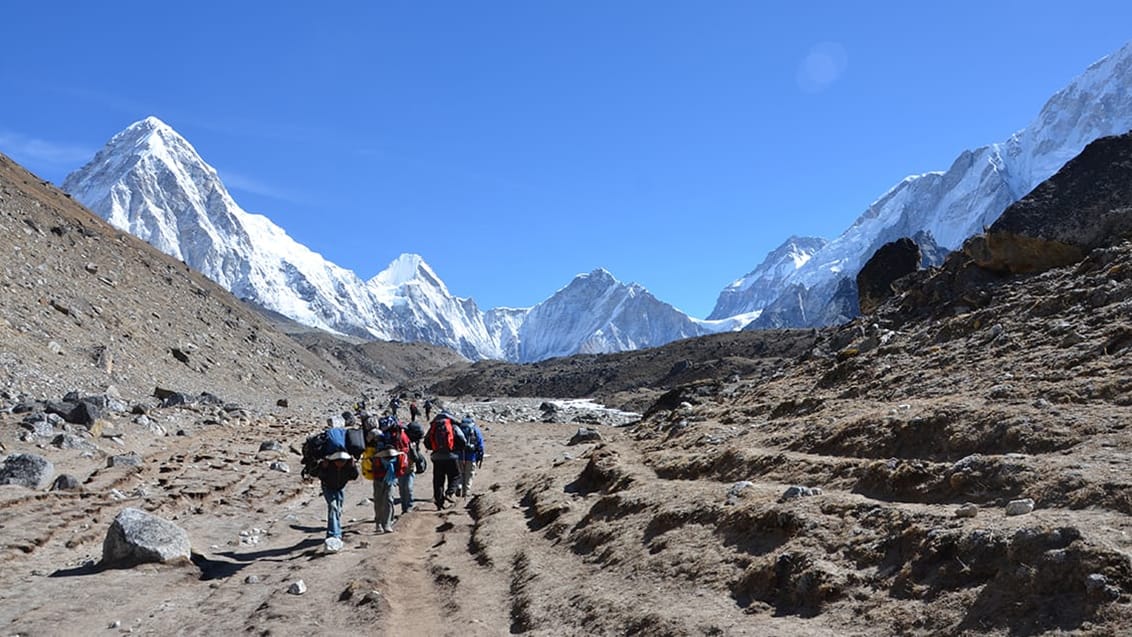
[334, 474]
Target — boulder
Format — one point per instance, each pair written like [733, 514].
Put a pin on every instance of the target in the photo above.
[27, 470]
[1086, 205]
[584, 435]
[136, 537]
[891, 262]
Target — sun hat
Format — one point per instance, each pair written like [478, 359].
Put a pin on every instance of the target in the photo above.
[338, 455]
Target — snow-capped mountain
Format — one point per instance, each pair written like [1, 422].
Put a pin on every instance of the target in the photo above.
[953, 205]
[744, 294]
[149, 181]
[621, 317]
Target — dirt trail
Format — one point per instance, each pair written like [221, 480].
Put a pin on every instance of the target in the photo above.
[254, 533]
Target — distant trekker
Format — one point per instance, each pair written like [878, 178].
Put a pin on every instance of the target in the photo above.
[394, 405]
[414, 411]
[427, 408]
[445, 440]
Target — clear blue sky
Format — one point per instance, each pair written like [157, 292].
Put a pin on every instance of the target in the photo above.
[517, 144]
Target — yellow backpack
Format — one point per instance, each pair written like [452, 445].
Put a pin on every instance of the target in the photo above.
[370, 462]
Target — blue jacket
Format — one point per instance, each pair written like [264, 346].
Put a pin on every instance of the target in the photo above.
[473, 451]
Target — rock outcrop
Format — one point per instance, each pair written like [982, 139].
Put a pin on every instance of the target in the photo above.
[1086, 205]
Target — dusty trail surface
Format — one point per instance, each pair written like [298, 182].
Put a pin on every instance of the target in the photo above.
[254, 532]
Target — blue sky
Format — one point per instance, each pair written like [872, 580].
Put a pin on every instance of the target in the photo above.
[517, 144]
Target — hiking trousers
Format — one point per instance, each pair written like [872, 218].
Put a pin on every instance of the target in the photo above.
[444, 470]
[405, 487]
[334, 499]
[467, 472]
[383, 504]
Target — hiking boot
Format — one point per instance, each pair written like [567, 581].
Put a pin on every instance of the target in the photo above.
[388, 529]
[439, 504]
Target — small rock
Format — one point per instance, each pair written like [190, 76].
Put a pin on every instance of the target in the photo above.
[798, 491]
[1020, 507]
[65, 482]
[280, 466]
[282, 402]
[270, 445]
[1098, 588]
[251, 579]
[968, 510]
[297, 588]
[736, 490]
[124, 460]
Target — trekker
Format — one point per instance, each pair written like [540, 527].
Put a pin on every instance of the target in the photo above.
[389, 465]
[445, 440]
[471, 456]
[335, 469]
[414, 411]
[428, 409]
[394, 405]
[402, 442]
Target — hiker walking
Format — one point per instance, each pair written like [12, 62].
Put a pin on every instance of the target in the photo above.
[402, 440]
[471, 456]
[394, 405]
[389, 463]
[414, 411]
[335, 467]
[445, 440]
[428, 409]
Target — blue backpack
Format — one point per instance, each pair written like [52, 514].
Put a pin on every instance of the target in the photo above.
[335, 441]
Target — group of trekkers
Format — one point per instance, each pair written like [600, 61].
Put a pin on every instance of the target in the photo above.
[387, 451]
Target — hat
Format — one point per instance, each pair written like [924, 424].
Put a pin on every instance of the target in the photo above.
[338, 455]
[388, 453]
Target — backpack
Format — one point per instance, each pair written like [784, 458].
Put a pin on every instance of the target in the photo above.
[318, 446]
[415, 431]
[312, 448]
[440, 435]
[335, 441]
[355, 442]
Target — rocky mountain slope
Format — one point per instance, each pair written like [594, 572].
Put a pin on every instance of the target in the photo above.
[86, 307]
[950, 205]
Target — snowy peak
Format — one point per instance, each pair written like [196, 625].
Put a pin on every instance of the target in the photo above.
[406, 269]
[780, 264]
[596, 313]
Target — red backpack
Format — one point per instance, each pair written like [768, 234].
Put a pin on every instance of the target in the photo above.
[440, 435]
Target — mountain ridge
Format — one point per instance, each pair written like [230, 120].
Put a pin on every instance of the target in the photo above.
[150, 181]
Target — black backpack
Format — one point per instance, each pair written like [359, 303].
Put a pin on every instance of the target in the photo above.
[313, 448]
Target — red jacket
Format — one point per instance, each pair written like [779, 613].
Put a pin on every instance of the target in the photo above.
[395, 438]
